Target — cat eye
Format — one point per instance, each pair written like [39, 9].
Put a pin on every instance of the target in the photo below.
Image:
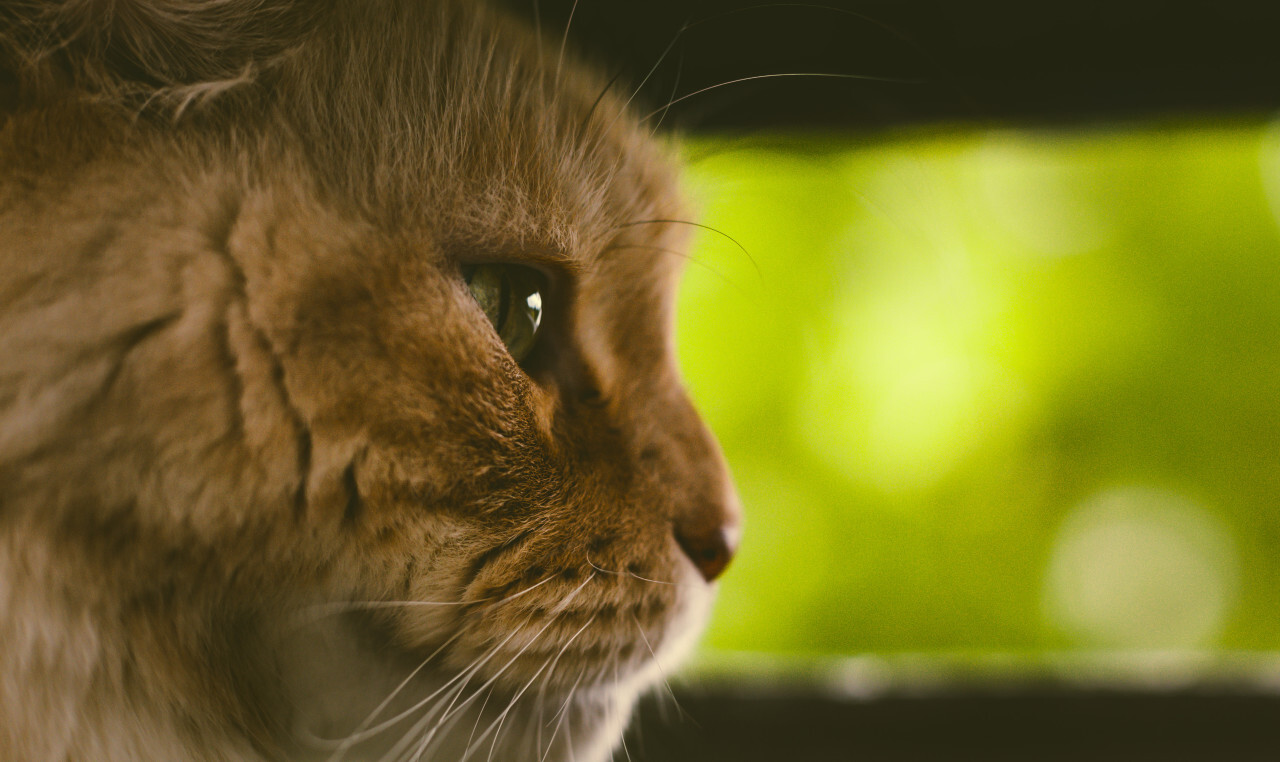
[511, 297]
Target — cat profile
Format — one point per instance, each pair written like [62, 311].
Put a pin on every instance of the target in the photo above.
[339, 416]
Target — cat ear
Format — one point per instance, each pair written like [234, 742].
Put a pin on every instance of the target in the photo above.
[143, 51]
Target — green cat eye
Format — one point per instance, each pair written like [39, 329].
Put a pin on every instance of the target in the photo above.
[511, 297]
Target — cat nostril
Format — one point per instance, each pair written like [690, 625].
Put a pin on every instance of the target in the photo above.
[710, 548]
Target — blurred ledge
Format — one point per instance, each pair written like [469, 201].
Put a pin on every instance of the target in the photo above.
[750, 674]
[1088, 726]
[1166, 707]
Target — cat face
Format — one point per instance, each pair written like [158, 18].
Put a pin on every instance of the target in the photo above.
[327, 390]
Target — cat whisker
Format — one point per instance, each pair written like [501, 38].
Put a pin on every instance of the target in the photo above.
[559, 717]
[452, 714]
[556, 660]
[452, 711]
[690, 24]
[675, 87]
[540, 723]
[537, 30]
[564, 602]
[404, 747]
[463, 677]
[444, 723]
[780, 75]
[897, 34]
[349, 741]
[341, 607]
[499, 721]
[564, 39]
[321, 610]
[688, 258]
[512, 597]
[475, 667]
[568, 724]
[479, 715]
[503, 716]
[652, 69]
[666, 683]
[600, 569]
[614, 709]
[549, 668]
[633, 575]
[582, 126]
[530, 727]
[702, 226]
[546, 680]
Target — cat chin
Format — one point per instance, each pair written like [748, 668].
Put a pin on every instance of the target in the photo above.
[427, 720]
[357, 695]
[583, 727]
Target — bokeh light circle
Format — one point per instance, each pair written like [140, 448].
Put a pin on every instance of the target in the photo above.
[1138, 568]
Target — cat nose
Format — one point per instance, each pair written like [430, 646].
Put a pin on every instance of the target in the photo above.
[710, 545]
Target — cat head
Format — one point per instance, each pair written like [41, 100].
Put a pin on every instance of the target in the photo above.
[386, 296]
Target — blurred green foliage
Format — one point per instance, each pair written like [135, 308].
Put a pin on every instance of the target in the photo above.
[994, 391]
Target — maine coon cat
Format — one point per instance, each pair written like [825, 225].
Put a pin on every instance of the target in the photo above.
[338, 410]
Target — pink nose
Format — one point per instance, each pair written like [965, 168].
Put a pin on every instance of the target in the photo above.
[711, 548]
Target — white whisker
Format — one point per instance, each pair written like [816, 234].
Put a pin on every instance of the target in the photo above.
[322, 610]
[559, 717]
[614, 708]
[662, 57]
[403, 746]
[815, 74]
[442, 724]
[527, 589]
[564, 40]
[675, 87]
[563, 649]
[452, 711]
[479, 715]
[537, 30]
[541, 723]
[351, 739]
[451, 714]
[548, 666]
[702, 226]
[666, 683]
[633, 575]
[464, 673]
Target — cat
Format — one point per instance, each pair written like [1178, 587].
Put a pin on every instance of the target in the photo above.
[339, 415]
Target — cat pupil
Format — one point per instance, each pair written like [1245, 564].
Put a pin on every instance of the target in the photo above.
[511, 298]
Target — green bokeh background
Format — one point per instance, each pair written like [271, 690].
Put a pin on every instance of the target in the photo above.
[1009, 391]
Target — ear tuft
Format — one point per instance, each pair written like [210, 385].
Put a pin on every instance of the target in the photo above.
[143, 51]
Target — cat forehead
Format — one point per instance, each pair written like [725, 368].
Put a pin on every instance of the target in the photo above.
[438, 114]
[405, 105]
[463, 119]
